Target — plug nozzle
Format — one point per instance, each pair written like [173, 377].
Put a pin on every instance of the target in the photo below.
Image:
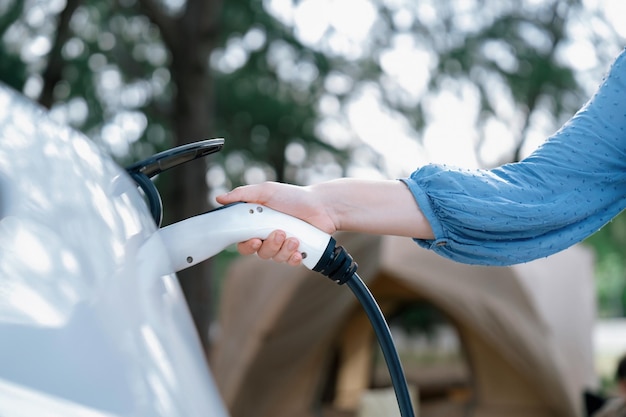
[336, 263]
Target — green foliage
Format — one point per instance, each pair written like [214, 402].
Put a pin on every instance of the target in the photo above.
[113, 66]
[609, 244]
[267, 102]
[12, 68]
[517, 50]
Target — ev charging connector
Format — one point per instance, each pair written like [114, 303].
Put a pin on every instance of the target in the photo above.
[198, 238]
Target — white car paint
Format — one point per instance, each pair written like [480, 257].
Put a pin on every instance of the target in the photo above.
[92, 321]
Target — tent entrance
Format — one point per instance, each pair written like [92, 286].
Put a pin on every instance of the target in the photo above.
[430, 348]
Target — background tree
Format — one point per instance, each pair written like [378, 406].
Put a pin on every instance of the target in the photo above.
[308, 90]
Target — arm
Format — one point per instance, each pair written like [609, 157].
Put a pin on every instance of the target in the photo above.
[380, 207]
[565, 191]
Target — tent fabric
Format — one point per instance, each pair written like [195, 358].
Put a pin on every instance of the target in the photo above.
[526, 329]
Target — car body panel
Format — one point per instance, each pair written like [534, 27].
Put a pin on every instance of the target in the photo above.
[91, 317]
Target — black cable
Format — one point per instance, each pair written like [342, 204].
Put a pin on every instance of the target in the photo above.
[363, 294]
[337, 264]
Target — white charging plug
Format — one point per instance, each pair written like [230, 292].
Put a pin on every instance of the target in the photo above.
[198, 238]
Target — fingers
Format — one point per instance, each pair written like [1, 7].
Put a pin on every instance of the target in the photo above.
[249, 246]
[276, 247]
[272, 245]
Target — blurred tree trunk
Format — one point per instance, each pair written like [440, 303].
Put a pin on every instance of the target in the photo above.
[54, 68]
[190, 38]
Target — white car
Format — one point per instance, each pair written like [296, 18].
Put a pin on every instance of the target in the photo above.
[92, 319]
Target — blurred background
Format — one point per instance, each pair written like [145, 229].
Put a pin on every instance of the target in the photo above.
[309, 90]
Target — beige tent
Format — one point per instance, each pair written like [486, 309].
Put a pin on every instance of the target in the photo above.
[525, 332]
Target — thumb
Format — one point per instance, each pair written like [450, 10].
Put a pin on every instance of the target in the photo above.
[227, 198]
[245, 193]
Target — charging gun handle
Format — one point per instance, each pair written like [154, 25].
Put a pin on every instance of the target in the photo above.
[200, 237]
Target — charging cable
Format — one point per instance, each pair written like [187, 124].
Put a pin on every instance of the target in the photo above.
[337, 264]
[197, 238]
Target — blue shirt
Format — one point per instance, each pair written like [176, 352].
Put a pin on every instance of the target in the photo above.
[566, 190]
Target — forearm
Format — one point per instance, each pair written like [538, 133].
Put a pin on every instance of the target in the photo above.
[384, 207]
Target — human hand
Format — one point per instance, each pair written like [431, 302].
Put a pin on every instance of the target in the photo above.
[353, 205]
[304, 203]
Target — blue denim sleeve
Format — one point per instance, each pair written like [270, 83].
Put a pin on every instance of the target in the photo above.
[566, 190]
